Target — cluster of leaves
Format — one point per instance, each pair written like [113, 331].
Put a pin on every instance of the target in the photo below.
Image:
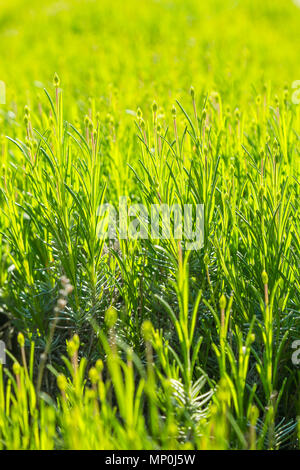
[192, 348]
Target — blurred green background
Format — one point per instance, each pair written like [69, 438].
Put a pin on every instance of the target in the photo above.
[147, 48]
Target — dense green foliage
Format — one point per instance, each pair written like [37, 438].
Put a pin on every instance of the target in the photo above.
[178, 348]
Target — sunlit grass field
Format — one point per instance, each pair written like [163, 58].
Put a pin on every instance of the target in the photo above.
[144, 343]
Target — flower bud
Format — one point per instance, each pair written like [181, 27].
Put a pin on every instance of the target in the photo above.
[147, 330]
[222, 302]
[62, 382]
[56, 80]
[21, 340]
[76, 341]
[237, 114]
[91, 126]
[111, 317]
[71, 348]
[93, 375]
[16, 368]
[264, 277]
[99, 366]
